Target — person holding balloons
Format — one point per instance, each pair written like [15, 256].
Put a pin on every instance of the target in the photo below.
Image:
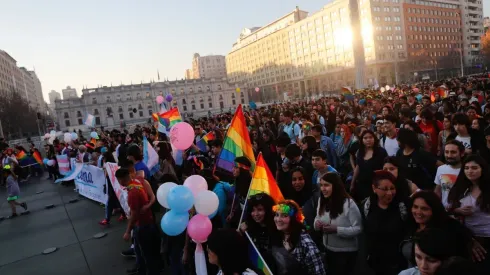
[141, 222]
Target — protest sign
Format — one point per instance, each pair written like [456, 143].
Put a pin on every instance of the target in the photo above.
[121, 194]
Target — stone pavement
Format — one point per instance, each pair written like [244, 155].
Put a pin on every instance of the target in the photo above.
[68, 226]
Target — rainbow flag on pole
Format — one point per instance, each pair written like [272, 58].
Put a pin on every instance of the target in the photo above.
[263, 181]
[236, 144]
[347, 93]
[21, 156]
[256, 258]
[37, 156]
[169, 118]
[203, 142]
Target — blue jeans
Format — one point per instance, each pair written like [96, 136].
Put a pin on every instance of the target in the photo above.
[147, 249]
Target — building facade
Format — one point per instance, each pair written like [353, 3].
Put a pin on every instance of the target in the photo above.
[22, 81]
[53, 96]
[486, 23]
[132, 104]
[210, 66]
[308, 55]
[69, 92]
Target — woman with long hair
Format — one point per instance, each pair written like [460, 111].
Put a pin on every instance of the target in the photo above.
[294, 249]
[470, 200]
[339, 219]
[308, 146]
[369, 158]
[384, 225]
[243, 177]
[432, 247]
[228, 250]
[406, 186]
[259, 221]
[428, 212]
[167, 162]
[342, 147]
[423, 140]
[300, 188]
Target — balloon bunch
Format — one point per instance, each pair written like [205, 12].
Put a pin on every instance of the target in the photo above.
[180, 199]
[49, 162]
[51, 136]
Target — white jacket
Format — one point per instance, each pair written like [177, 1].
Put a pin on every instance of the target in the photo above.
[348, 227]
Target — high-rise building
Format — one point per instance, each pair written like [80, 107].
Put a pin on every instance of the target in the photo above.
[53, 96]
[486, 23]
[210, 66]
[472, 15]
[20, 80]
[188, 74]
[355, 43]
[69, 92]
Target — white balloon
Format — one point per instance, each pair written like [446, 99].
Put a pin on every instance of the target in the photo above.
[206, 202]
[59, 133]
[52, 133]
[162, 193]
[67, 139]
[51, 140]
[196, 183]
[51, 162]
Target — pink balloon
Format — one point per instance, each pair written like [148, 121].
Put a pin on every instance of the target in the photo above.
[257, 89]
[196, 183]
[181, 135]
[199, 228]
[159, 99]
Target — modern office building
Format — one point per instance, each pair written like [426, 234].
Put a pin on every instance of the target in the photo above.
[134, 104]
[53, 96]
[309, 54]
[21, 81]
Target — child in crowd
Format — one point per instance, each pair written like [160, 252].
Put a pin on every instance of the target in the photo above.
[13, 190]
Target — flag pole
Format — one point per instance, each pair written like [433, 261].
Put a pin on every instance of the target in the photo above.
[248, 194]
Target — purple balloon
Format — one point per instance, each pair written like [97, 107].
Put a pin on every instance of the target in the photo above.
[168, 98]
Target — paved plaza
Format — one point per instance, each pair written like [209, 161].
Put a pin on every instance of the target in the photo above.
[68, 226]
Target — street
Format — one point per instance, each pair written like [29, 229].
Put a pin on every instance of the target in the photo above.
[70, 227]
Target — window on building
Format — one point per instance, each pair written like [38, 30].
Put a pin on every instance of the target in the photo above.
[121, 116]
[131, 115]
[130, 108]
[202, 105]
[233, 102]
[67, 123]
[79, 114]
[94, 100]
[118, 97]
[140, 107]
[120, 109]
[220, 97]
[210, 104]
[96, 111]
[80, 121]
[219, 87]
[221, 105]
[150, 112]
[141, 113]
[97, 120]
[108, 99]
[199, 89]
[128, 96]
[193, 107]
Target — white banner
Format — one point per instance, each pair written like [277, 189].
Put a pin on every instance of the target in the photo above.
[121, 194]
[90, 182]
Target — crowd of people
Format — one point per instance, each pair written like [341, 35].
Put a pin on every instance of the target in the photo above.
[394, 179]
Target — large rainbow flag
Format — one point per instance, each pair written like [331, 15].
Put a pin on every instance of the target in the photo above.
[347, 93]
[263, 181]
[236, 144]
[169, 118]
[203, 142]
[256, 258]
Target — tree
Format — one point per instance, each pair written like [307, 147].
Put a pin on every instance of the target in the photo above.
[485, 47]
[18, 119]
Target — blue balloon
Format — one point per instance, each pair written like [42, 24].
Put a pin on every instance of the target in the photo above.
[418, 97]
[45, 161]
[180, 199]
[174, 223]
[74, 136]
[252, 105]
[94, 135]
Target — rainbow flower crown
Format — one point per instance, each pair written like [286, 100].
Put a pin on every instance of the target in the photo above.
[290, 211]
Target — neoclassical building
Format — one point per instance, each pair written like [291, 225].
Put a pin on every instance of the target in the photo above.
[134, 104]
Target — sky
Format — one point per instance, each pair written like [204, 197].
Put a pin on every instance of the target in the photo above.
[92, 42]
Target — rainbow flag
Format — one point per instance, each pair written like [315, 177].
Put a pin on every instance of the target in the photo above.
[237, 143]
[168, 119]
[203, 142]
[347, 93]
[263, 181]
[255, 257]
[21, 156]
[37, 156]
